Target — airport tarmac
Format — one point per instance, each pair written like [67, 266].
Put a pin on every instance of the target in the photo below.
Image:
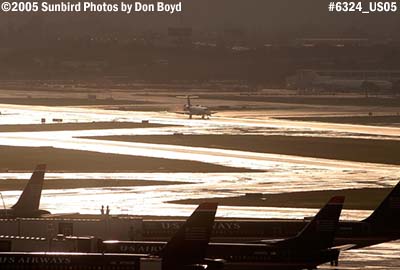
[278, 173]
[383, 256]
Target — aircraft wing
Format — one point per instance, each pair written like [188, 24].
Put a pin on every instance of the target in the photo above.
[270, 241]
[59, 215]
[344, 247]
[181, 112]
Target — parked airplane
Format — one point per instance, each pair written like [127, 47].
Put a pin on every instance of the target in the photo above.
[311, 247]
[381, 226]
[185, 251]
[191, 110]
[29, 201]
[3, 113]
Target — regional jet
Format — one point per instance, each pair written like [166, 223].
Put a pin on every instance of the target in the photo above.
[29, 201]
[191, 110]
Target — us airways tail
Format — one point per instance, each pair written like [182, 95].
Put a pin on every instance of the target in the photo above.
[29, 201]
[189, 245]
[387, 215]
[320, 232]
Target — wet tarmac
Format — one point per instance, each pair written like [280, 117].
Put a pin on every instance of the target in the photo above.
[281, 173]
[383, 256]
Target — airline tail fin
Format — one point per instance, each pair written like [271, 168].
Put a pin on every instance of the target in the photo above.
[387, 214]
[30, 197]
[320, 232]
[189, 244]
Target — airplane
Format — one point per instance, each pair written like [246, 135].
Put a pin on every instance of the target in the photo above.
[310, 79]
[185, 251]
[311, 247]
[191, 110]
[2, 113]
[381, 226]
[29, 201]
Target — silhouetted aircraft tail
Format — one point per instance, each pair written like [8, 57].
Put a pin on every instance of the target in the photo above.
[320, 232]
[29, 200]
[387, 215]
[189, 244]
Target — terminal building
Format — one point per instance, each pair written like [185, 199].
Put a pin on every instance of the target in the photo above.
[105, 228]
[344, 80]
[76, 232]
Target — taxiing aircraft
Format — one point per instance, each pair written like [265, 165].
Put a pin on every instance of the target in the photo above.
[309, 248]
[191, 110]
[185, 251]
[29, 201]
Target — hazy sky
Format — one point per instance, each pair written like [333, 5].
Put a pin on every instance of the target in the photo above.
[301, 18]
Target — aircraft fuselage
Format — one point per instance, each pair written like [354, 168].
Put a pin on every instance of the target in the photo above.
[237, 256]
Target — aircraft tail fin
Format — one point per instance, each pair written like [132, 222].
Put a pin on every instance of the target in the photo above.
[30, 197]
[387, 214]
[189, 244]
[320, 232]
[188, 102]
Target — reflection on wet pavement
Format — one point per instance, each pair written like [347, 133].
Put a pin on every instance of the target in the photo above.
[151, 199]
[281, 173]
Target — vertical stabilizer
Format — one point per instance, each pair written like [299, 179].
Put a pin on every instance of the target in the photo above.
[387, 214]
[30, 197]
[320, 232]
[189, 244]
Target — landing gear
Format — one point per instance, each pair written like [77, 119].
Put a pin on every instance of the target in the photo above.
[206, 116]
[190, 116]
[335, 263]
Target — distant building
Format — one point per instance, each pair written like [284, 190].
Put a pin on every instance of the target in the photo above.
[105, 228]
[180, 36]
[332, 42]
[343, 80]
